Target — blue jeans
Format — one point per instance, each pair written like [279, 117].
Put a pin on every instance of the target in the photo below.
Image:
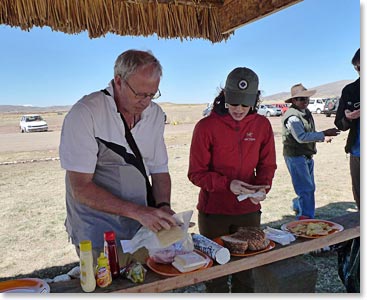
[301, 170]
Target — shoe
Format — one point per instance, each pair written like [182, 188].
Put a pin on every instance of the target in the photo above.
[295, 205]
[321, 252]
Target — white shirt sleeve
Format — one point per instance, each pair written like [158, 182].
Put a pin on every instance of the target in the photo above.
[78, 147]
[157, 161]
[160, 161]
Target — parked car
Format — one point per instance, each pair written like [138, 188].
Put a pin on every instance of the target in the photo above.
[31, 123]
[208, 109]
[269, 110]
[316, 105]
[331, 106]
[283, 107]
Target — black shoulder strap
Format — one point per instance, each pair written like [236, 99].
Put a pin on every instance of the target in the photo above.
[134, 147]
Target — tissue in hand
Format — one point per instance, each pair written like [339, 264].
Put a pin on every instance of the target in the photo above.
[242, 197]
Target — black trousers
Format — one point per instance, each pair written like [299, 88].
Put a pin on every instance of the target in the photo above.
[213, 226]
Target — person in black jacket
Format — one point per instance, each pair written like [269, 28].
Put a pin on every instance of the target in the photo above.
[348, 118]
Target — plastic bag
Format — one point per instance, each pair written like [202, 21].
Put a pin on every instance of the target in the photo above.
[167, 255]
[134, 272]
[148, 239]
[349, 265]
[185, 245]
[279, 236]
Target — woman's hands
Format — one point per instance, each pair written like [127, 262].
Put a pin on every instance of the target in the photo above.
[261, 197]
[239, 187]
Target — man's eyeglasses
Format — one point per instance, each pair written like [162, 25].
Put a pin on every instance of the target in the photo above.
[142, 96]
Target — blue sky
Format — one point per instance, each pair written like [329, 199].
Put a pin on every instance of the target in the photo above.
[310, 42]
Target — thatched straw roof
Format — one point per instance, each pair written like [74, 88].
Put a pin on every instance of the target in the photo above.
[214, 20]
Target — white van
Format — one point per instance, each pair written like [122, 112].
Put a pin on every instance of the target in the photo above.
[316, 105]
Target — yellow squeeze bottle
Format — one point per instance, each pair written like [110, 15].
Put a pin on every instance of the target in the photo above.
[103, 274]
[87, 279]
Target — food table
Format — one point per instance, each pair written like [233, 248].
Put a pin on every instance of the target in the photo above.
[155, 283]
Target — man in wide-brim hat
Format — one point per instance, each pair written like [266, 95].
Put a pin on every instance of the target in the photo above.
[299, 145]
[299, 91]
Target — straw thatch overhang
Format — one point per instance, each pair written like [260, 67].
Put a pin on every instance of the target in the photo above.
[214, 20]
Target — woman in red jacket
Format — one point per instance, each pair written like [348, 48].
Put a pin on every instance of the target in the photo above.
[232, 154]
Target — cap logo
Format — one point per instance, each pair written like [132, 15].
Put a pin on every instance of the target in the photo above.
[242, 84]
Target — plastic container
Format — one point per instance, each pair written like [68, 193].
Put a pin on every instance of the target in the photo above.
[110, 251]
[211, 248]
[103, 272]
[87, 279]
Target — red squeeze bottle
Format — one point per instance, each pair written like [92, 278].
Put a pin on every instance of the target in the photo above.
[110, 251]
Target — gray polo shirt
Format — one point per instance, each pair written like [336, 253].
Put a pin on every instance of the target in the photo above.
[90, 123]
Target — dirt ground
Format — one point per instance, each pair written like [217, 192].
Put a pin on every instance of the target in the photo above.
[181, 120]
[32, 194]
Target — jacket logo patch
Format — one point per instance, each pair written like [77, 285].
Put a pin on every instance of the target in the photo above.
[249, 137]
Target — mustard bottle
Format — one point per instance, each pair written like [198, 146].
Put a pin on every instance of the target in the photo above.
[103, 273]
[87, 279]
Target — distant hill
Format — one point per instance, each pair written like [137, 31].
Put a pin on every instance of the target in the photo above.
[328, 90]
[31, 109]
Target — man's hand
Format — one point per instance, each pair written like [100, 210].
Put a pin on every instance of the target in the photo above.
[167, 209]
[352, 115]
[331, 132]
[155, 219]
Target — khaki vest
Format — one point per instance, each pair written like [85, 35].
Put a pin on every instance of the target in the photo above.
[290, 146]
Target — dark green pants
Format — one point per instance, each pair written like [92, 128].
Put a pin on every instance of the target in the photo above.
[213, 226]
[354, 163]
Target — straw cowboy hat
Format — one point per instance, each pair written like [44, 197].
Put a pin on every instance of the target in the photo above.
[298, 90]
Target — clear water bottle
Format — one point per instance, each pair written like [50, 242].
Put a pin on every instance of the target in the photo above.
[87, 279]
[110, 251]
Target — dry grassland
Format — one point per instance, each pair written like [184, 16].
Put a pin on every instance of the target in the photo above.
[32, 234]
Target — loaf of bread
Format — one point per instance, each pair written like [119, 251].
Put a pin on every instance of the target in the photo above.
[255, 237]
[234, 245]
[246, 238]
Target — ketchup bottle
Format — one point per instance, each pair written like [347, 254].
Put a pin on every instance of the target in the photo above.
[110, 251]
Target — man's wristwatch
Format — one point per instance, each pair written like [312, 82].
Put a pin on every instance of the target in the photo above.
[159, 205]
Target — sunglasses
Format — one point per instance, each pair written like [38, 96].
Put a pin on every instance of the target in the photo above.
[235, 105]
[302, 99]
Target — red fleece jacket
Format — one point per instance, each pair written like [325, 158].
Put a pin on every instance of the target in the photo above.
[223, 149]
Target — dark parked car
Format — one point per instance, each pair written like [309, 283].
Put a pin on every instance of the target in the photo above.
[331, 106]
